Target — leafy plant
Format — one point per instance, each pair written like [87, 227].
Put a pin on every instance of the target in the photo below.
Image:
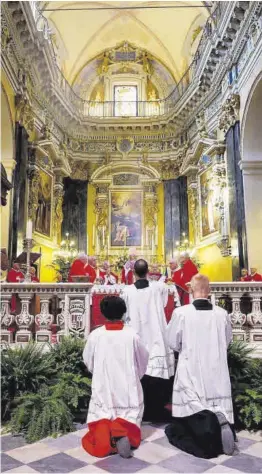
[250, 409]
[41, 414]
[51, 411]
[61, 266]
[68, 355]
[121, 260]
[23, 369]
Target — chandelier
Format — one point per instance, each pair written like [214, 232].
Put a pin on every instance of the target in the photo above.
[68, 250]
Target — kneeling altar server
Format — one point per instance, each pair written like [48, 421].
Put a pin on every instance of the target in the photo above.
[118, 360]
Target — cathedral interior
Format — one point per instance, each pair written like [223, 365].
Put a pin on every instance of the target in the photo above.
[133, 125]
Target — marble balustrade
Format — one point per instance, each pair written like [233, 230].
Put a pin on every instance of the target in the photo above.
[71, 312]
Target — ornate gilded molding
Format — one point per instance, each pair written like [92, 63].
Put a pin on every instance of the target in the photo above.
[58, 211]
[80, 169]
[24, 113]
[34, 182]
[229, 112]
[169, 169]
[125, 145]
[224, 246]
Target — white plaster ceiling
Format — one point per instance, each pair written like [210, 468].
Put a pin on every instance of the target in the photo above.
[165, 33]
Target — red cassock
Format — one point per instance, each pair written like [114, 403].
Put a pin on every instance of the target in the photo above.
[246, 278]
[127, 279]
[100, 439]
[255, 277]
[107, 280]
[14, 276]
[91, 271]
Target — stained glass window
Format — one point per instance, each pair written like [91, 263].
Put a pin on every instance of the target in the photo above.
[125, 101]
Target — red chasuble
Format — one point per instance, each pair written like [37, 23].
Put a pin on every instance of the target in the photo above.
[255, 277]
[34, 279]
[188, 270]
[77, 269]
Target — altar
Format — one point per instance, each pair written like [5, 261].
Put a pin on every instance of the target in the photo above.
[98, 292]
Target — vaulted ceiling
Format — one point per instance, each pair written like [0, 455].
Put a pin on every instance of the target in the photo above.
[166, 33]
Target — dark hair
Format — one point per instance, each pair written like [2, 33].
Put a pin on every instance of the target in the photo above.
[141, 268]
[113, 307]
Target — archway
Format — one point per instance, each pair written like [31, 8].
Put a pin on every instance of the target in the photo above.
[252, 172]
[7, 155]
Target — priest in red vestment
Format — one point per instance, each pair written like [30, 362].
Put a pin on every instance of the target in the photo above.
[254, 276]
[108, 277]
[244, 275]
[78, 267]
[155, 274]
[34, 278]
[15, 275]
[91, 269]
[188, 270]
[127, 276]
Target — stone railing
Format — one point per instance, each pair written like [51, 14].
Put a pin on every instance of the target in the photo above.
[46, 312]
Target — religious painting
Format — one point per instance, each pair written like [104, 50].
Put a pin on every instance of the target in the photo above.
[43, 212]
[125, 101]
[126, 218]
[208, 199]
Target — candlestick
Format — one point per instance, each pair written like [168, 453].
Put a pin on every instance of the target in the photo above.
[28, 244]
[29, 229]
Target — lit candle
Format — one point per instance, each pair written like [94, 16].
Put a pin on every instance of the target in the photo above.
[29, 229]
[142, 240]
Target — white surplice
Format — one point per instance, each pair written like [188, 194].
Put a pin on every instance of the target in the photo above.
[145, 313]
[202, 377]
[118, 360]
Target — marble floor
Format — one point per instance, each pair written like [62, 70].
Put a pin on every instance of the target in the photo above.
[155, 455]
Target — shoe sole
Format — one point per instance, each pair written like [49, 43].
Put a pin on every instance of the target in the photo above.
[124, 448]
[227, 436]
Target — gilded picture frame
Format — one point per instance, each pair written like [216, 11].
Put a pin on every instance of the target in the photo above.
[126, 218]
[209, 214]
[43, 216]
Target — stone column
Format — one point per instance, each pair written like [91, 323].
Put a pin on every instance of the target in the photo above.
[6, 318]
[252, 177]
[58, 208]
[43, 321]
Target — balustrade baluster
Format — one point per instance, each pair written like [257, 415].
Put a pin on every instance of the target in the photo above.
[254, 320]
[238, 319]
[24, 320]
[6, 319]
[43, 321]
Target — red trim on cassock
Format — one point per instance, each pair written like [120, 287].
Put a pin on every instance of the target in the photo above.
[117, 326]
[99, 440]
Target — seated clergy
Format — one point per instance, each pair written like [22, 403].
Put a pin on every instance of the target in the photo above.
[78, 267]
[118, 359]
[108, 277]
[254, 276]
[202, 404]
[244, 275]
[34, 278]
[155, 274]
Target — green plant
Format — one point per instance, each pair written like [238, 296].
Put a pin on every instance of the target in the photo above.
[61, 266]
[68, 355]
[52, 410]
[23, 369]
[41, 414]
[249, 406]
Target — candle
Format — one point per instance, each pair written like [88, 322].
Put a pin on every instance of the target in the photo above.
[142, 240]
[87, 243]
[29, 229]
[163, 245]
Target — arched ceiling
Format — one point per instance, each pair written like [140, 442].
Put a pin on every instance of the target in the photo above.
[165, 33]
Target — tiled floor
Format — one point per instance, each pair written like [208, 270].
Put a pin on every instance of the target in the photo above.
[155, 455]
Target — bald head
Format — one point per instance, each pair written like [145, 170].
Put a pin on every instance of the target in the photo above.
[200, 286]
[141, 268]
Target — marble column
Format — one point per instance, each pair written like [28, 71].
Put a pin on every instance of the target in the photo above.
[252, 177]
[75, 212]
